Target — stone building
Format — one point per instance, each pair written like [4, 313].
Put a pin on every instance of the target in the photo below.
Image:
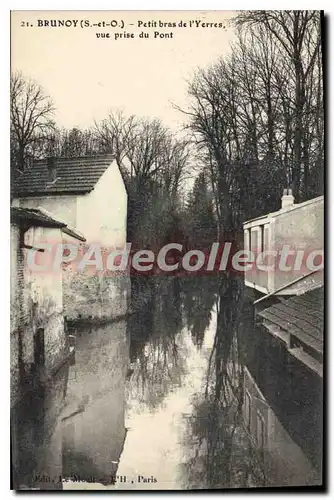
[39, 349]
[88, 193]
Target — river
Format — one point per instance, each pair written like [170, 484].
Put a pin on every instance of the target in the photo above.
[187, 394]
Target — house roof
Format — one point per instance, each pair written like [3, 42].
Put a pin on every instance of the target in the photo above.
[307, 282]
[28, 217]
[32, 216]
[289, 208]
[73, 175]
[301, 316]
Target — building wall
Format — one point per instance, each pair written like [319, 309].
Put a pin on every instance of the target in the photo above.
[44, 297]
[37, 391]
[16, 270]
[101, 216]
[36, 302]
[89, 296]
[63, 207]
[300, 229]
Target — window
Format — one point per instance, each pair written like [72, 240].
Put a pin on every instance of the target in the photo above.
[261, 238]
[247, 239]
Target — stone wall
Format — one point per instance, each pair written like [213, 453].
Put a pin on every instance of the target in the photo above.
[15, 271]
[95, 296]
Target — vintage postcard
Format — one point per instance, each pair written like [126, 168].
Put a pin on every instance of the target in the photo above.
[167, 274]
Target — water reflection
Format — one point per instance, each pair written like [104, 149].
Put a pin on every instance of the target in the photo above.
[154, 449]
[36, 433]
[239, 436]
[282, 461]
[188, 393]
[219, 451]
[293, 397]
[198, 298]
[208, 401]
[94, 419]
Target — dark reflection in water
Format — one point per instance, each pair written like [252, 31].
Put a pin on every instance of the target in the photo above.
[93, 421]
[198, 297]
[256, 425]
[220, 455]
[37, 434]
[190, 394]
[154, 353]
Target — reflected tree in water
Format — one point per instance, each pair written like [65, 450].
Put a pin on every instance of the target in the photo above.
[198, 297]
[155, 356]
[220, 455]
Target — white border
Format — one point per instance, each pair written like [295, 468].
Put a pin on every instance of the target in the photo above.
[4, 184]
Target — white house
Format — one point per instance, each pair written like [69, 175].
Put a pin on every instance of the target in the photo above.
[89, 194]
[295, 227]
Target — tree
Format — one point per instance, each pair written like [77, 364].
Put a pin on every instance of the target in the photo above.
[256, 115]
[71, 143]
[144, 148]
[297, 35]
[201, 220]
[31, 112]
[153, 163]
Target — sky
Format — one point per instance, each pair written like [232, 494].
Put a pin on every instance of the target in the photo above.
[87, 76]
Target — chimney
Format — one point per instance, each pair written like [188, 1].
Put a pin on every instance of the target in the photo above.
[52, 168]
[287, 199]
